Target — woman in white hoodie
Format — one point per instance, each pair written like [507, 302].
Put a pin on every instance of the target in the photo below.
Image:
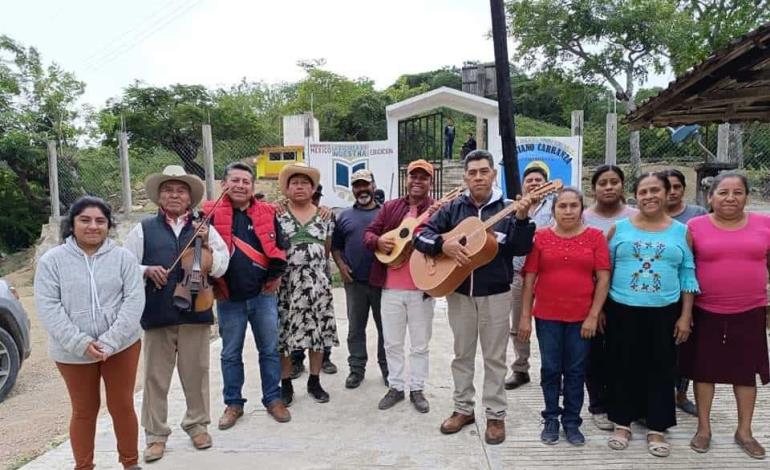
[90, 296]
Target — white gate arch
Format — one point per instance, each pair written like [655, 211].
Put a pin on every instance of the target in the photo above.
[445, 97]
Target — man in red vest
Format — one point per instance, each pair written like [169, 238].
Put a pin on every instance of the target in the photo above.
[246, 294]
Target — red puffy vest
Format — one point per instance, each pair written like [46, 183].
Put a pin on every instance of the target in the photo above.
[262, 217]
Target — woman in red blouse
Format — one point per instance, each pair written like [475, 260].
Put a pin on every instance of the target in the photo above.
[567, 276]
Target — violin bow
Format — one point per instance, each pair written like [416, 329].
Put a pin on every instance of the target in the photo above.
[198, 230]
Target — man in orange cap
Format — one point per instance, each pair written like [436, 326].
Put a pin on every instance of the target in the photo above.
[403, 306]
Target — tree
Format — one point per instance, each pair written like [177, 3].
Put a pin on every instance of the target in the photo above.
[169, 117]
[37, 103]
[709, 25]
[617, 41]
[331, 97]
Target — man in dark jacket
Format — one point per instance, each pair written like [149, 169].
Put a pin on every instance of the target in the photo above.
[173, 336]
[479, 308]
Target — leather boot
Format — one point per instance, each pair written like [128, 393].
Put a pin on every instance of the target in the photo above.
[495, 433]
[279, 412]
[456, 422]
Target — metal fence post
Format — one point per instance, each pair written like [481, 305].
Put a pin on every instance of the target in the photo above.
[723, 143]
[124, 171]
[53, 179]
[208, 160]
[611, 140]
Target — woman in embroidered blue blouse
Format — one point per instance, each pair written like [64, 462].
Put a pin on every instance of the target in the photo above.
[648, 311]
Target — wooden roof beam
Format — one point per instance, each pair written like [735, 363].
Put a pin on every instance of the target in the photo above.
[744, 76]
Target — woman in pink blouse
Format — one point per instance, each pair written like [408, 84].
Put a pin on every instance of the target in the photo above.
[728, 343]
[566, 278]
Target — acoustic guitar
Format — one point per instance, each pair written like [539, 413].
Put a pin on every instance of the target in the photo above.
[404, 232]
[441, 275]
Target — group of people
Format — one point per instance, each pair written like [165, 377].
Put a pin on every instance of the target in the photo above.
[631, 302]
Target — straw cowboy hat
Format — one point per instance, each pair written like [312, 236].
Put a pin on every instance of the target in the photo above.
[297, 169]
[174, 173]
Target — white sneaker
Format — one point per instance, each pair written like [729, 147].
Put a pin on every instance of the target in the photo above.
[602, 422]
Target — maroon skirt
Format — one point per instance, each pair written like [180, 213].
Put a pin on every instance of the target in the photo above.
[726, 348]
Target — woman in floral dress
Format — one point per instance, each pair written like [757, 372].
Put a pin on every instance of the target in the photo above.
[305, 306]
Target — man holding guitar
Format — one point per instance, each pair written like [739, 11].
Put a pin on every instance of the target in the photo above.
[479, 308]
[403, 305]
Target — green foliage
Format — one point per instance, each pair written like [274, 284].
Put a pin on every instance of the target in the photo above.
[709, 25]
[19, 221]
[37, 103]
[619, 41]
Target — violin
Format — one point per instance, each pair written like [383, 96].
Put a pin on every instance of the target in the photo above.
[194, 292]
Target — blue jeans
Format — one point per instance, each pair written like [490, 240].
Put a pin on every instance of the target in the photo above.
[262, 313]
[563, 353]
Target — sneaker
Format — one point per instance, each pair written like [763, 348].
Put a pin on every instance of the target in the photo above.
[419, 401]
[317, 392]
[602, 422]
[391, 398]
[297, 369]
[517, 380]
[574, 436]
[550, 434]
[687, 406]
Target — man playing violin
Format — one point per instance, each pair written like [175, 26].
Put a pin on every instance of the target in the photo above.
[173, 336]
[479, 309]
[403, 306]
[246, 294]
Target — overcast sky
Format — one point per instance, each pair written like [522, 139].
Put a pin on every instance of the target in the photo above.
[108, 44]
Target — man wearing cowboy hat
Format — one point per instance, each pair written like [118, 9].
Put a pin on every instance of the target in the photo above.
[173, 336]
[246, 294]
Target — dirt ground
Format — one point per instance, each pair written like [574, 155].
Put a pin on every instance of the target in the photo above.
[37, 410]
[35, 415]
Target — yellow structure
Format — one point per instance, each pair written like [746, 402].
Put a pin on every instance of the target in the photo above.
[271, 159]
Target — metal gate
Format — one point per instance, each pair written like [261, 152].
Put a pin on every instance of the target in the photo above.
[421, 137]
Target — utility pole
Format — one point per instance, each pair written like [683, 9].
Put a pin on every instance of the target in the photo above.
[504, 99]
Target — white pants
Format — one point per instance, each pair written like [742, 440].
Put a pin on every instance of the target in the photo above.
[402, 309]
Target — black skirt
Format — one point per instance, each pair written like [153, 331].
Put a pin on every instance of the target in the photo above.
[727, 348]
[642, 358]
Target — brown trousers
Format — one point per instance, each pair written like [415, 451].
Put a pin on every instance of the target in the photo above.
[187, 348]
[84, 387]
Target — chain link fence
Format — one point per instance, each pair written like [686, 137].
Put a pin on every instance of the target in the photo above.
[96, 170]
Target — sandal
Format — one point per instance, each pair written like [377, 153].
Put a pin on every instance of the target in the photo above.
[617, 441]
[752, 448]
[658, 448]
[700, 443]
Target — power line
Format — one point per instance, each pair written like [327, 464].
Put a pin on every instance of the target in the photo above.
[158, 26]
[104, 49]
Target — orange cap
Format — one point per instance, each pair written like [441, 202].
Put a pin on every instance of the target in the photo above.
[420, 164]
